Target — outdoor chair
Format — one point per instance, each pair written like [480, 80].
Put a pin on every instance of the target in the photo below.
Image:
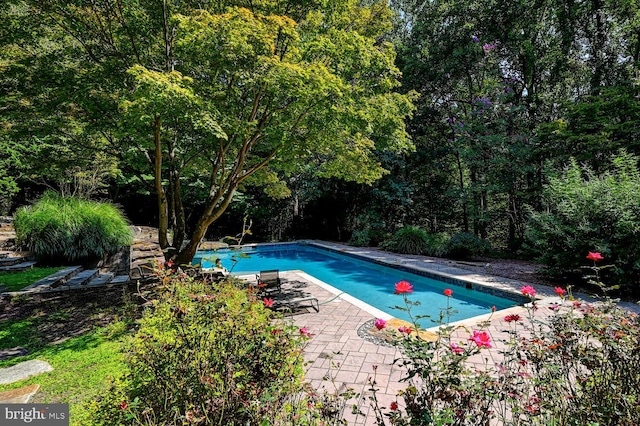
[287, 303]
[269, 281]
[213, 275]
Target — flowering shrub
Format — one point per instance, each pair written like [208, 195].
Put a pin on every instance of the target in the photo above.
[209, 355]
[577, 366]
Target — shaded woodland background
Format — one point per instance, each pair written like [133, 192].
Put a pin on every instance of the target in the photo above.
[509, 93]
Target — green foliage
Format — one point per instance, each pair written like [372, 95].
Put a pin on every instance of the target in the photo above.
[465, 245]
[360, 238]
[408, 240]
[14, 281]
[576, 367]
[235, 96]
[67, 229]
[212, 354]
[437, 244]
[588, 212]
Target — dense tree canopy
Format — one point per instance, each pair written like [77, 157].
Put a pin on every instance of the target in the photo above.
[293, 112]
[214, 96]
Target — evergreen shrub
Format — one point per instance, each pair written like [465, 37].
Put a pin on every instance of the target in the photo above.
[360, 238]
[437, 244]
[69, 230]
[465, 245]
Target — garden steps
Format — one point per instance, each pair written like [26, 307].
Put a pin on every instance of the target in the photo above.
[20, 266]
[80, 280]
[54, 279]
[108, 279]
[6, 259]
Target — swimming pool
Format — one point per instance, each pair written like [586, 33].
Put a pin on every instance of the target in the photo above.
[366, 281]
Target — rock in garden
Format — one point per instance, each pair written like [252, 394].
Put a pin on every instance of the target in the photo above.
[23, 370]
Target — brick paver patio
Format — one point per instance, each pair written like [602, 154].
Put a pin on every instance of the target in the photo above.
[339, 359]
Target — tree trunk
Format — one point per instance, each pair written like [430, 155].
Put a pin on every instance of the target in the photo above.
[163, 205]
[465, 215]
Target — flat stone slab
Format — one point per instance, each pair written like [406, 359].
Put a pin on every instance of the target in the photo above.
[54, 278]
[13, 352]
[23, 371]
[19, 267]
[19, 396]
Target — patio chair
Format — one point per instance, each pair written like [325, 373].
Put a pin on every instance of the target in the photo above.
[213, 275]
[290, 303]
[269, 281]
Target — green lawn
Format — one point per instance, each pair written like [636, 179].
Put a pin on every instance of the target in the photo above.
[82, 341]
[15, 281]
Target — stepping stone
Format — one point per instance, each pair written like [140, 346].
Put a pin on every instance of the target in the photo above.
[100, 280]
[19, 396]
[19, 267]
[7, 260]
[23, 371]
[54, 279]
[120, 279]
[80, 279]
[13, 352]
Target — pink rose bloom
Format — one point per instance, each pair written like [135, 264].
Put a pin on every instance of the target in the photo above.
[481, 338]
[380, 324]
[456, 349]
[527, 290]
[305, 332]
[512, 317]
[403, 329]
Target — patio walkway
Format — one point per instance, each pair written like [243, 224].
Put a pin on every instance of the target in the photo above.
[339, 359]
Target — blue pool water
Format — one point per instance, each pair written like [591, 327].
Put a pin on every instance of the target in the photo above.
[367, 281]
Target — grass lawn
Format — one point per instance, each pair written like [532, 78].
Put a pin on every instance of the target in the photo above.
[83, 341]
[15, 281]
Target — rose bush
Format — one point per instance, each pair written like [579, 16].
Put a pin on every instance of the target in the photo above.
[210, 355]
[577, 366]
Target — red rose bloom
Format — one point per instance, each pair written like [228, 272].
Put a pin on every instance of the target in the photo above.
[403, 287]
[596, 257]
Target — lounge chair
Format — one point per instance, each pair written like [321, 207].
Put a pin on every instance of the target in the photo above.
[269, 281]
[290, 303]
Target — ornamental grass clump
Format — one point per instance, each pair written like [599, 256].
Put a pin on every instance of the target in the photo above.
[63, 230]
[576, 366]
[408, 240]
[207, 355]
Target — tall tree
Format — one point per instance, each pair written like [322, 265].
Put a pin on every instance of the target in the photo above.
[218, 96]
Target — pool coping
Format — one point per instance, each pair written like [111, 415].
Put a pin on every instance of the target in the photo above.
[498, 286]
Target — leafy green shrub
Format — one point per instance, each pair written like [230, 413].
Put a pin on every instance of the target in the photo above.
[437, 244]
[465, 245]
[585, 212]
[208, 356]
[360, 238]
[408, 240]
[66, 229]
